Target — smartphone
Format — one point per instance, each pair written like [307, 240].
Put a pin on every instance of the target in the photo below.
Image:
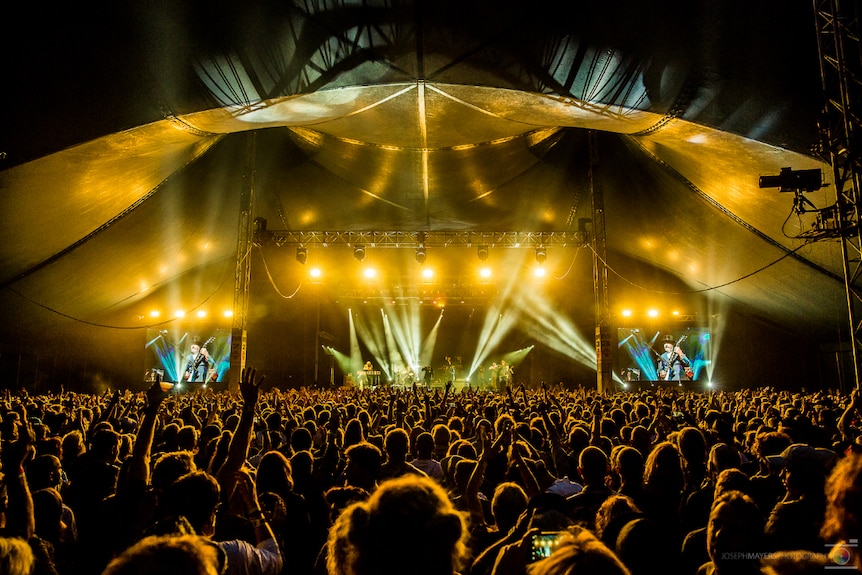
[544, 543]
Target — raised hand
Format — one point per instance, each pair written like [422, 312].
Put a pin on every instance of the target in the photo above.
[156, 394]
[249, 386]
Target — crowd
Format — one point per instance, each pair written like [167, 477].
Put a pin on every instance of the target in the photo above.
[378, 481]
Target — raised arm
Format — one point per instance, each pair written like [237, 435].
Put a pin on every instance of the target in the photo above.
[844, 421]
[20, 520]
[139, 465]
[249, 388]
[596, 427]
[471, 492]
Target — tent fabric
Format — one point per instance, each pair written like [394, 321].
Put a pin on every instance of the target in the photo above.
[127, 149]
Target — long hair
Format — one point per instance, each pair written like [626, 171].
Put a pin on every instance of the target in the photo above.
[408, 523]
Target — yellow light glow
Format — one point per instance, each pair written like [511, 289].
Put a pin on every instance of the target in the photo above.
[485, 273]
[201, 313]
[539, 272]
[155, 313]
[648, 243]
[315, 273]
[427, 273]
[228, 313]
[627, 313]
[675, 312]
[370, 273]
[180, 313]
[652, 313]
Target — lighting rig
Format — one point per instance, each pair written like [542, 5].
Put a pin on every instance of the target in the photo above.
[829, 222]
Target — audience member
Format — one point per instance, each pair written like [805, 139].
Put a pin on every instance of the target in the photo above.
[407, 525]
[218, 457]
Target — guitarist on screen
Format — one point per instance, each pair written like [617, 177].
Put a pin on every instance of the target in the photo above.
[673, 365]
[199, 362]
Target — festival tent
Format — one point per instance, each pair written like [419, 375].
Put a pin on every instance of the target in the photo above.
[177, 154]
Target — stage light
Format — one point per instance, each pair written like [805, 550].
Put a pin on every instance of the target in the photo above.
[201, 313]
[228, 313]
[482, 252]
[652, 313]
[370, 273]
[302, 255]
[420, 255]
[315, 273]
[485, 273]
[794, 180]
[427, 273]
[539, 272]
[627, 313]
[541, 255]
[359, 252]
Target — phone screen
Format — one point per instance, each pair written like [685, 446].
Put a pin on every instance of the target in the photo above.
[543, 544]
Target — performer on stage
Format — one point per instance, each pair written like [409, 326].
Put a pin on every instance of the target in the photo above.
[428, 377]
[198, 364]
[506, 373]
[372, 376]
[494, 369]
[672, 364]
[449, 368]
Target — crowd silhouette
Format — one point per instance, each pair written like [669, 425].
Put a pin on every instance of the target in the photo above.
[386, 481]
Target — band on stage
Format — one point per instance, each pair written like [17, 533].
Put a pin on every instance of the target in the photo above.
[496, 376]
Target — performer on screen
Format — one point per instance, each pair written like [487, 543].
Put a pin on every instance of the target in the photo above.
[198, 364]
[673, 365]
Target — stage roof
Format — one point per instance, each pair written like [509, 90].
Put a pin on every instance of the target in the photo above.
[133, 135]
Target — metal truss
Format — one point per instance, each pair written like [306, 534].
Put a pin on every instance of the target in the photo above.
[408, 239]
[838, 43]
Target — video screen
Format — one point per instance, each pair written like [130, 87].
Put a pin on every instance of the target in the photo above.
[188, 358]
[662, 355]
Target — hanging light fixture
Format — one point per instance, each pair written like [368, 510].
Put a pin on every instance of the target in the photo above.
[359, 252]
[302, 255]
[541, 255]
[420, 250]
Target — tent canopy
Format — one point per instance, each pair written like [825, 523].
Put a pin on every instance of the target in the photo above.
[132, 149]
